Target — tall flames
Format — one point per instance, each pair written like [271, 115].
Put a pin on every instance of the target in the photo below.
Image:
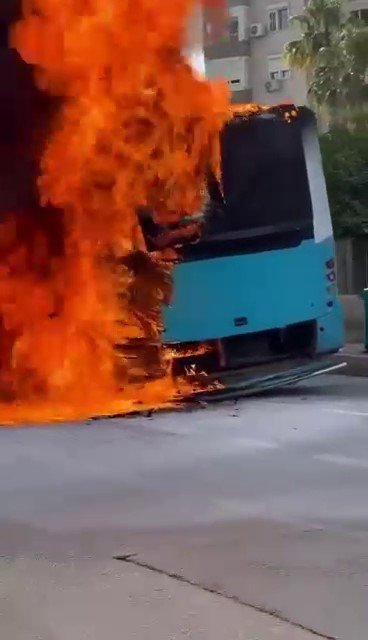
[80, 298]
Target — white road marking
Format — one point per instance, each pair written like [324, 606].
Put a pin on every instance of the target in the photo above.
[314, 408]
[345, 461]
[252, 443]
[347, 412]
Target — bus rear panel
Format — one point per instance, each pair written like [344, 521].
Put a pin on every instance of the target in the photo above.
[260, 284]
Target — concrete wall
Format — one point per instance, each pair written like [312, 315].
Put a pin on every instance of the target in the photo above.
[352, 260]
[352, 265]
[354, 318]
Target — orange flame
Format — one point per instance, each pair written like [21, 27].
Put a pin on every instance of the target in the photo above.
[136, 127]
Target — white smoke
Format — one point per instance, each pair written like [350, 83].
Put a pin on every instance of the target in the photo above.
[194, 46]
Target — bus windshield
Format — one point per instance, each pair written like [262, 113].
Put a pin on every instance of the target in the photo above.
[264, 200]
[264, 177]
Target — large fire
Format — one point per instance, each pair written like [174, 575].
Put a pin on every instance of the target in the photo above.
[80, 298]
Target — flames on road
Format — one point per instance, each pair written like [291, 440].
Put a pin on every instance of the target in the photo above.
[80, 297]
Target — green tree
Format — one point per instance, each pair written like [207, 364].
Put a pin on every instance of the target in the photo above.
[318, 25]
[333, 51]
[345, 162]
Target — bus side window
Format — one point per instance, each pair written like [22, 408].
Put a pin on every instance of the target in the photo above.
[4, 34]
[214, 190]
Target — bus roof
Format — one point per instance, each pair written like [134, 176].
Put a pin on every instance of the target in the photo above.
[283, 111]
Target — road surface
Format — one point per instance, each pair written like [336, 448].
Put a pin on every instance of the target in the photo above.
[264, 501]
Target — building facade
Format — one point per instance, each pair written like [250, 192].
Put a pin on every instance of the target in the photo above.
[249, 52]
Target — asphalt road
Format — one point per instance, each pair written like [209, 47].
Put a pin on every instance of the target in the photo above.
[265, 500]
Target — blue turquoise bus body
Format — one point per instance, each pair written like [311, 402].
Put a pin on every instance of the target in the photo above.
[267, 290]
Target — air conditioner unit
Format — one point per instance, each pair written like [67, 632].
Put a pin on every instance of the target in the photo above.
[274, 85]
[257, 30]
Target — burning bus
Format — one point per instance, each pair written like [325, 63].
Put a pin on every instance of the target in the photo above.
[257, 283]
[116, 289]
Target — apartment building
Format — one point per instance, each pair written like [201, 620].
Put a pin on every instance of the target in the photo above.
[359, 9]
[249, 53]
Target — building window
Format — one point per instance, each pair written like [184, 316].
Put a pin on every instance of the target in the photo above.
[230, 32]
[272, 21]
[4, 34]
[280, 74]
[235, 84]
[237, 25]
[285, 74]
[278, 69]
[234, 28]
[360, 14]
[283, 18]
[278, 19]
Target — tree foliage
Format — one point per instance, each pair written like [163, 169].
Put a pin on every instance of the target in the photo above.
[345, 160]
[333, 50]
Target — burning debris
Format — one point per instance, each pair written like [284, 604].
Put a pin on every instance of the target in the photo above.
[130, 126]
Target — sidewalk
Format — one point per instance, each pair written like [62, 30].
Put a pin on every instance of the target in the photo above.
[356, 358]
[90, 600]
